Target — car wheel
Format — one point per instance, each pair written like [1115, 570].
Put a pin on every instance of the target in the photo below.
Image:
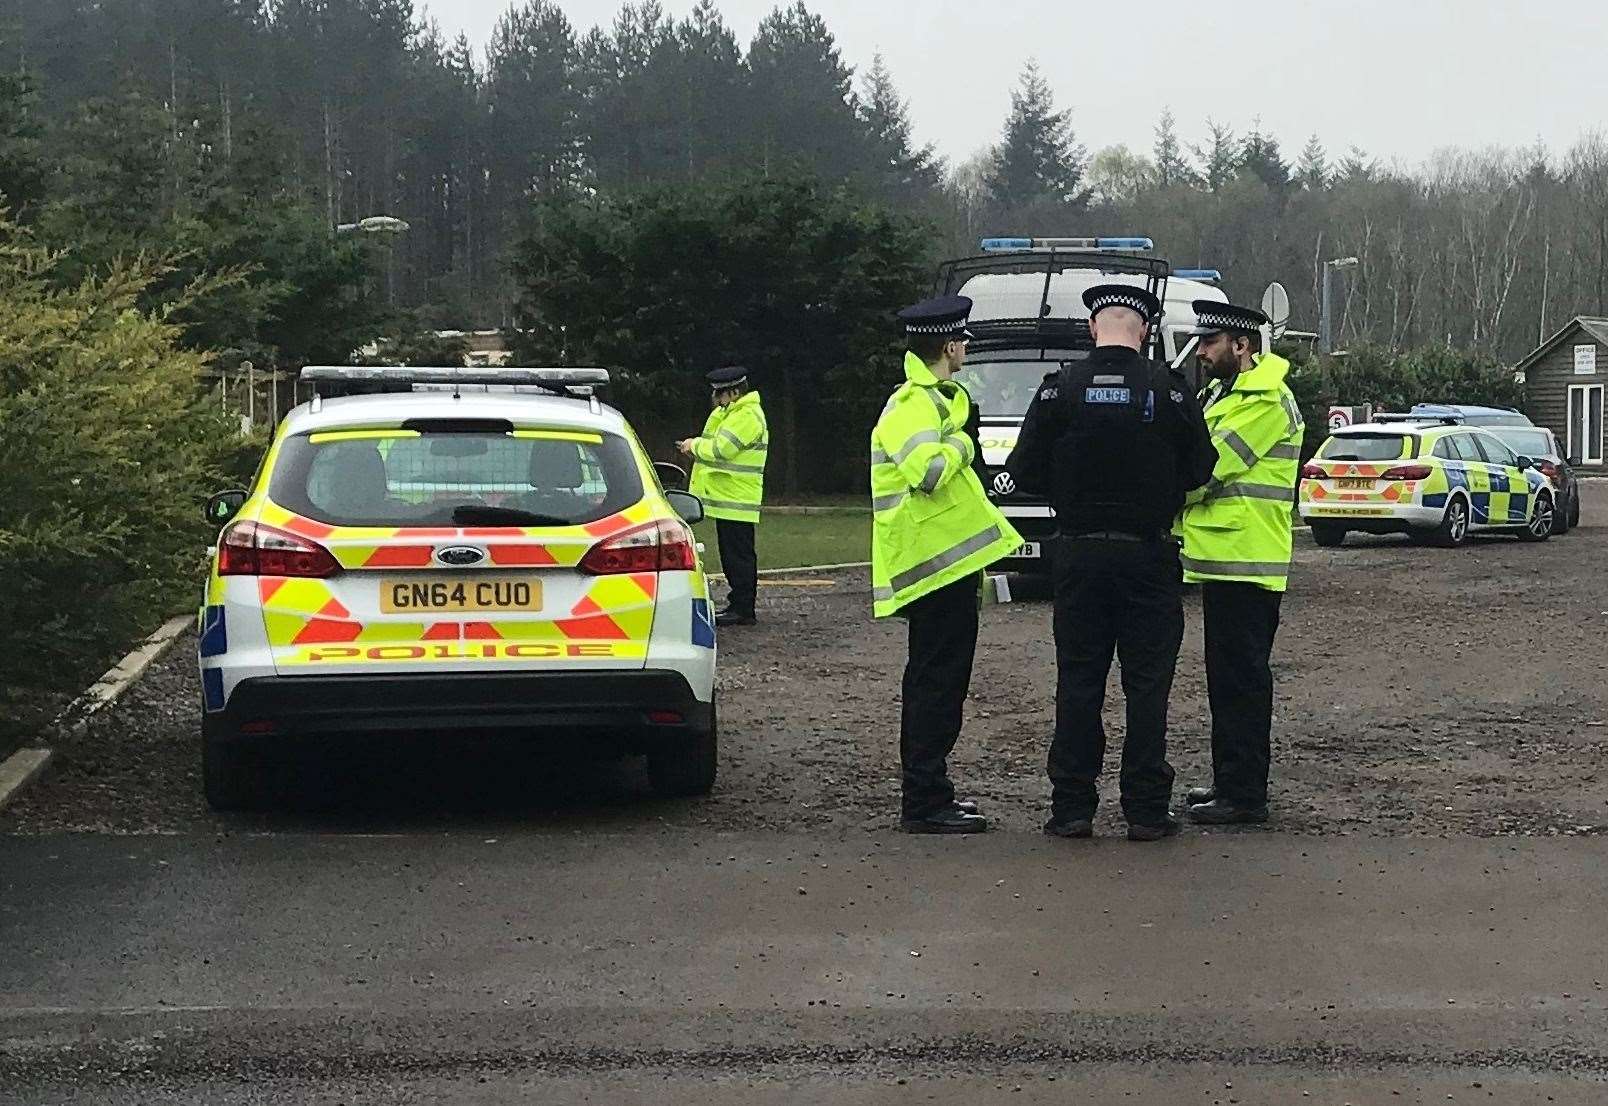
[1542, 520]
[686, 767]
[1453, 530]
[1328, 535]
[231, 775]
[1574, 509]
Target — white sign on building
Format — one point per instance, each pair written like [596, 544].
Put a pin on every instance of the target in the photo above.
[1586, 360]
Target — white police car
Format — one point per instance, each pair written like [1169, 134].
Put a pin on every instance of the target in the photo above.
[455, 557]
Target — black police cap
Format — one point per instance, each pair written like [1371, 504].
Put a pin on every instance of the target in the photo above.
[732, 376]
[1214, 317]
[1134, 298]
[941, 315]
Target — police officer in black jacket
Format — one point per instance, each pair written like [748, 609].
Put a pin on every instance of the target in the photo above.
[1114, 442]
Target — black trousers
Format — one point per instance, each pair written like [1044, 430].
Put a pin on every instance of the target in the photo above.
[943, 641]
[741, 564]
[1241, 622]
[1124, 598]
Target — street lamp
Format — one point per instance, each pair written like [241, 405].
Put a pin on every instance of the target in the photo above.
[1326, 310]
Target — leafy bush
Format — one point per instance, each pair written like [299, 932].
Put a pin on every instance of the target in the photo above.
[107, 450]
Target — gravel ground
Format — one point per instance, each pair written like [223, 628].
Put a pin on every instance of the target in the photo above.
[1420, 691]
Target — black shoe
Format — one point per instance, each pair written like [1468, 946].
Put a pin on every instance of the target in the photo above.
[1167, 827]
[1069, 827]
[952, 820]
[1226, 812]
[1197, 795]
[967, 806]
[733, 618]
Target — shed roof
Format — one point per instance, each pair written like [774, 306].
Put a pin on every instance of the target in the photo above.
[1593, 325]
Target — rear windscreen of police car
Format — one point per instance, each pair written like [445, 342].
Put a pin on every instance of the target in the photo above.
[457, 476]
[1368, 447]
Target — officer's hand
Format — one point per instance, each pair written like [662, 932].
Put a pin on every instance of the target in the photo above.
[684, 445]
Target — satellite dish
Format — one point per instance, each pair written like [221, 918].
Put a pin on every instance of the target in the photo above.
[1276, 306]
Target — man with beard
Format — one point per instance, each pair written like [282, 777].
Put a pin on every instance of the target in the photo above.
[1237, 546]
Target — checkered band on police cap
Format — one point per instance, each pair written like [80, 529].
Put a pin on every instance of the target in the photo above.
[1213, 316]
[1102, 296]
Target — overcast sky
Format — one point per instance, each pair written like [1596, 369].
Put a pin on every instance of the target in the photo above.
[1399, 78]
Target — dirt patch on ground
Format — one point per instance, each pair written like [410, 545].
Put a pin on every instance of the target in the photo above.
[1420, 691]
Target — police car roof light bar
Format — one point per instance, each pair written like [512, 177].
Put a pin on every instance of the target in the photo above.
[999, 245]
[1449, 419]
[477, 374]
[1209, 276]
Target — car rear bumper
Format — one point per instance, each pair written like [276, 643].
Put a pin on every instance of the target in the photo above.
[1372, 518]
[612, 704]
[1037, 527]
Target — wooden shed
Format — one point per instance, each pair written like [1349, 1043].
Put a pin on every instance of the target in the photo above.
[1564, 381]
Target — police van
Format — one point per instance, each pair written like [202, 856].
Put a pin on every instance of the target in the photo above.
[1028, 317]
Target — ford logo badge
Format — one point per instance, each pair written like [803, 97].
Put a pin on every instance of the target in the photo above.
[460, 556]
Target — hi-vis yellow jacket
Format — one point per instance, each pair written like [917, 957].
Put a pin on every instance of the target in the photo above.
[728, 473]
[1237, 528]
[932, 522]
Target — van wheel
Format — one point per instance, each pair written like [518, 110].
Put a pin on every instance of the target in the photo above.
[1453, 530]
[687, 767]
[232, 775]
[1539, 528]
[1328, 535]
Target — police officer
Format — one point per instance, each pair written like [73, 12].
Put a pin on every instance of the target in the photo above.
[1237, 546]
[1114, 441]
[728, 474]
[933, 533]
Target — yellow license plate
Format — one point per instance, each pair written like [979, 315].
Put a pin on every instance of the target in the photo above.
[467, 594]
[1355, 484]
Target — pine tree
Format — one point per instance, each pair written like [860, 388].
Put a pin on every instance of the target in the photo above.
[1259, 156]
[1313, 169]
[908, 172]
[1357, 167]
[1220, 158]
[803, 102]
[1037, 159]
[22, 167]
[1172, 168]
[531, 64]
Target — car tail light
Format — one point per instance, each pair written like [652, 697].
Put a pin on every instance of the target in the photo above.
[1313, 472]
[1408, 472]
[663, 546]
[255, 549]
[665, 717]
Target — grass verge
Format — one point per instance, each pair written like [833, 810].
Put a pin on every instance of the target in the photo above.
[792, 541]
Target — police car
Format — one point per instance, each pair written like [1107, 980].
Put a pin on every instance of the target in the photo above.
[1027, 318]
[485, 550]
[1436, 479]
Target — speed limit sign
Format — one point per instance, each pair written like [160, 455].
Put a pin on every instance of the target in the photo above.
[1339, 418]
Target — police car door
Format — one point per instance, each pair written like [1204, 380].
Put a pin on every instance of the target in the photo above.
[1510, 499]
[1478, 473]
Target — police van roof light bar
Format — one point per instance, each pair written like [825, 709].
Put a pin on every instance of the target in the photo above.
[1209, 276]
[998, 245]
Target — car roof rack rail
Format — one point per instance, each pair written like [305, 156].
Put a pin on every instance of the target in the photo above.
[566, 382]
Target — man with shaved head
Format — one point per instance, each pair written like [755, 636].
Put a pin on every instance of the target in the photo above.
[1115, 441]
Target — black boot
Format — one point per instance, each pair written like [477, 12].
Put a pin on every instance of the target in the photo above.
[949, 820]
[730, 617]
[1226, 812]
[1167, 827]
[1069, 827]
[1197, 795]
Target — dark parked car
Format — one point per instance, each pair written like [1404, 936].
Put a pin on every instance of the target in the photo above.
[1541, 444]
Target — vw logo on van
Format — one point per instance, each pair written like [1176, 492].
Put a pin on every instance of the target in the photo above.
[460, 556]
[1003, 484]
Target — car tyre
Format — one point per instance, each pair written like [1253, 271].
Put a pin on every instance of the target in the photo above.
[1542, 521]
[686, 768]
[1574, 509]
[1328, 535]
[1453, 530]
[231, 775]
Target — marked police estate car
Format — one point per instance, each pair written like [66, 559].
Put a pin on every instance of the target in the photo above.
[445, 559]
[1437, 480]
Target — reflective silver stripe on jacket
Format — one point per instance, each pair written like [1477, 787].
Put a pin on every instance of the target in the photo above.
[882, 503]
[1285, 451]
[1292, 411]
[883, 595]
[1242, 448]
[936, 395]
[947, 559]
[1277, 493]
[731, 505]
[934, 474]
[730, 466]
[913, 443]
[1236, 568]
[732, 438]
[961, 443]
